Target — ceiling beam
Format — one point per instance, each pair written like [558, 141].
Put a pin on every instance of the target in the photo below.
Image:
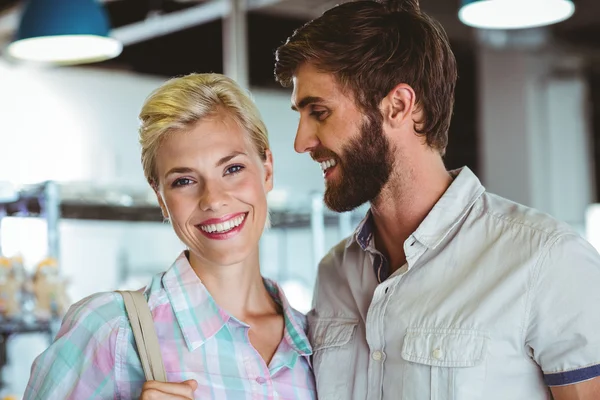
[9, 20]
[162, 25]
[154, 26]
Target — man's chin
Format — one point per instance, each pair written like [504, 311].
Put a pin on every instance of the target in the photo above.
[343, 198]
[337, 202]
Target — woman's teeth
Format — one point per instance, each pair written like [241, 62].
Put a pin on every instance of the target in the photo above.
[225, 226]
[325, 165]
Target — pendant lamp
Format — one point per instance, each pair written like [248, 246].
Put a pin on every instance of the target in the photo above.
[514, 14]
[64, 32]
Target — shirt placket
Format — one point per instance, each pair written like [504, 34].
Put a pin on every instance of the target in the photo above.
[375, 330]
[257, 371]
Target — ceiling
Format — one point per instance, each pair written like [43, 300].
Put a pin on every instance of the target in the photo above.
[200, 48]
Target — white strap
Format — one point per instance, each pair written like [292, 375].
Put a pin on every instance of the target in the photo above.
[144, 333]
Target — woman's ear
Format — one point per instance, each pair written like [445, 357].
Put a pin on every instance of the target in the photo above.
[161, 202]
[268, 165]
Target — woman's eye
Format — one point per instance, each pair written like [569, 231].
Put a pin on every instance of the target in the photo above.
[233, 169]
[181, 182]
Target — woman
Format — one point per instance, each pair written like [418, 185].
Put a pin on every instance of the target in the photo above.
[224, 331]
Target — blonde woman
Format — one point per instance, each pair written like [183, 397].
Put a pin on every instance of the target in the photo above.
[225, 332]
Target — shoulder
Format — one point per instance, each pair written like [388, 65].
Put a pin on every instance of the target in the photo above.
[299, 318]
[508, 215]
[339, 272]
[88, 337]
[554, 246]
[278, 294]
[571, 254]
[95, 312]
[334, 258]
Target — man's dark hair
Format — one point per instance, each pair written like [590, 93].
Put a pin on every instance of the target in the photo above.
[372, 46]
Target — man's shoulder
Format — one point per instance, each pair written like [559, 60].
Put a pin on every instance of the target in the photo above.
[335, 255]
[338, 263]
[507, 213]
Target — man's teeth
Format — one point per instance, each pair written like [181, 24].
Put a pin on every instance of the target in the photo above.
[325, 165]
[225, 226]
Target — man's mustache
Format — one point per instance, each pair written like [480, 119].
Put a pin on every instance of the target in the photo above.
[322, 153]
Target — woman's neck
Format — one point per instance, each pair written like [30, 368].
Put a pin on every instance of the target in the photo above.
[238, 288]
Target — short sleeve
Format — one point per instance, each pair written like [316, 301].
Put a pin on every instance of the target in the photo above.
[80, 364]
[564, 321]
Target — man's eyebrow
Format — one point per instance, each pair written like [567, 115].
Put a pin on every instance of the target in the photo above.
[306, 101]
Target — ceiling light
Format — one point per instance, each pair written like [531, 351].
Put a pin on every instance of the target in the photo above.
[514, 14]
[64, 32]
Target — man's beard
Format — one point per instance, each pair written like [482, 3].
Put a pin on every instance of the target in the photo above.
[365, 165]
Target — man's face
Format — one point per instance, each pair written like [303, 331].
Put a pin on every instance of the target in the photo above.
[355, 155]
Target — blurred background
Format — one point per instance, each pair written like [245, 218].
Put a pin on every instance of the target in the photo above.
[77, 217]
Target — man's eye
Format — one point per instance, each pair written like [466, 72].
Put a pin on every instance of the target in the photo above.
[319, 115]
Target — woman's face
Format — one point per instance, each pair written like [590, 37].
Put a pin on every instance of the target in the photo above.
[213, 186]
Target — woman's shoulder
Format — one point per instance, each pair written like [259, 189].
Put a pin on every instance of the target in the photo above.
[89, 336]
[95, 311]
[278, 294]
[299, 317]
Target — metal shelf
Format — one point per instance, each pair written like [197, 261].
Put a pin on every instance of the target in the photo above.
[114, 204]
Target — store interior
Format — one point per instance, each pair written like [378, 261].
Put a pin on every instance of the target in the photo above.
[78, 217]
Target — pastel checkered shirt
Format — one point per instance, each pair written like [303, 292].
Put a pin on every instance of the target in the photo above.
[94, 356]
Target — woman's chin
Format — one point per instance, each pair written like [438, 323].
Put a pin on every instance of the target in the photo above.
[220, 257]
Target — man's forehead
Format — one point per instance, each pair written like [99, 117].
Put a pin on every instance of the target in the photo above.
[314, 84]
[308, 77]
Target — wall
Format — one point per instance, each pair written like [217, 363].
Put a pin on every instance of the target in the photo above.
[81, 124]
[535, 133]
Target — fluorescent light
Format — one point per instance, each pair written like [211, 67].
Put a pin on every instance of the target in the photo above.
[514, 14]
[65, 49]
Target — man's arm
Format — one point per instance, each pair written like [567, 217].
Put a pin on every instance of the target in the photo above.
[563, 322]
[588, 390]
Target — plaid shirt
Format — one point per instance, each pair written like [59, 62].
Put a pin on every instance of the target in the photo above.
[94, 355]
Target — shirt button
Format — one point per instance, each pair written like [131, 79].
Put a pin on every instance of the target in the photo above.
[438, 354]
[377, 355]
[260, 380]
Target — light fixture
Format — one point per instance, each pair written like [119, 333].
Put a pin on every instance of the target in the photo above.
[514, 14]
[64, 32]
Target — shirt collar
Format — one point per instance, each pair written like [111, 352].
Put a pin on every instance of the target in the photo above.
[294, 321]
[443, 217]
[363, 233]
[450, 209]
[200, 317]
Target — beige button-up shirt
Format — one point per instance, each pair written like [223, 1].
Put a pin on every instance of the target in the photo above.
[497, 302]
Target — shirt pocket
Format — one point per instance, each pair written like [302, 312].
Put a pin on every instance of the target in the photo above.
[332, 343]
[444, 364]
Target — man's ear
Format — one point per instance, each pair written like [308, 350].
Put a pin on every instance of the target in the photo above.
[399, 106]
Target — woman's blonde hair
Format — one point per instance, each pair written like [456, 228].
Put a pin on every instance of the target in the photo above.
[181, 102]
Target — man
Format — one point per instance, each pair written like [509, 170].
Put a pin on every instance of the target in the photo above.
[444, 291]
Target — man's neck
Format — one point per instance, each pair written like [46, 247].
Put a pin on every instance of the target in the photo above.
[403, 205]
